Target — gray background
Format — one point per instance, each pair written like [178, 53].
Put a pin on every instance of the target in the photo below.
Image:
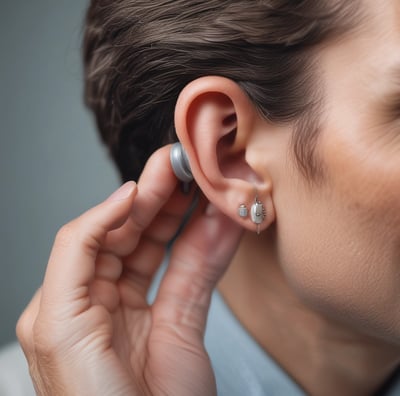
[52, 165]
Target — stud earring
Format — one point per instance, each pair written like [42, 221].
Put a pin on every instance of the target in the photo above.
[243, 211]
[257, 213]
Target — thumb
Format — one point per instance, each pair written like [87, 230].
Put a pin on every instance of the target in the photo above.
[198, 260]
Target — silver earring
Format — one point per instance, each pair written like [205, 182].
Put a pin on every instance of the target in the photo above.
[243, 211]
[180, 165]
[257, 213]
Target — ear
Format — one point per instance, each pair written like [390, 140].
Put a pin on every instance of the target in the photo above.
[216, 123]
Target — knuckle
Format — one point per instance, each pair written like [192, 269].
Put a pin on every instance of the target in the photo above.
[65, 235]
[158, 195]
[81, 233]
[23, 331]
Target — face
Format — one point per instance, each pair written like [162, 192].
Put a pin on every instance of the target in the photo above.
[340, 242]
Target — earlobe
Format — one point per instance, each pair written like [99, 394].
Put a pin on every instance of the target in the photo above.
[215, 122]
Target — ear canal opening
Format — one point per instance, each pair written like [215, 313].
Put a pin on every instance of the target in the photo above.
[230, 121]
[230, 129]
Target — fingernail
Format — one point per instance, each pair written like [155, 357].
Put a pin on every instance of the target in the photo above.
[123, 192]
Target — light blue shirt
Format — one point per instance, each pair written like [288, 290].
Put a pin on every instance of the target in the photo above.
[241, 366]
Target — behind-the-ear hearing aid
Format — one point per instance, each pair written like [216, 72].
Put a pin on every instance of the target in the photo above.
[180, 163]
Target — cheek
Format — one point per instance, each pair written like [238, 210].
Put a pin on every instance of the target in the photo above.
[339, 247]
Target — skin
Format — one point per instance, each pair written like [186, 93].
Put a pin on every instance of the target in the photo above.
[327, 278]
[322, 277]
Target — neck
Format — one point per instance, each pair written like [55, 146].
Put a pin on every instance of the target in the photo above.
[316, 352]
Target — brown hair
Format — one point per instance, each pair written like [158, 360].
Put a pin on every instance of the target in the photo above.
[139, 55]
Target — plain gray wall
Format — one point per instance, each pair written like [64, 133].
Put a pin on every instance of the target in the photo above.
[52, 164]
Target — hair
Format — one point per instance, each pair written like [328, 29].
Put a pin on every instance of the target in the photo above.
[140, 54]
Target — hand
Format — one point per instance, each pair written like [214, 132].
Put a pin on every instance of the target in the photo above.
[90, 331]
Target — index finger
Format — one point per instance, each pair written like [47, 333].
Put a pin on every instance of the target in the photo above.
[158, 198]
[71, 265]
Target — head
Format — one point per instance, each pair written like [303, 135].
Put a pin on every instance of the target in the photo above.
[295, 102]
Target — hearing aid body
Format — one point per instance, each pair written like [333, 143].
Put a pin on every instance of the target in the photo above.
[180, 163]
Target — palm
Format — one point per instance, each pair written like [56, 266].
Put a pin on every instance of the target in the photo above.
[150, 355]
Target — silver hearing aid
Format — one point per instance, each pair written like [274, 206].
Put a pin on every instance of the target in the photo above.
[180, 163]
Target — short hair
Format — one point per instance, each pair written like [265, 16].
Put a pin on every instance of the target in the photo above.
[140, 54]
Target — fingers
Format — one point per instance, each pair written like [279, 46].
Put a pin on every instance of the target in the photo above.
[150, 213]
[198, 260]
[157, 213]
[159, 200]
[71, 265]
